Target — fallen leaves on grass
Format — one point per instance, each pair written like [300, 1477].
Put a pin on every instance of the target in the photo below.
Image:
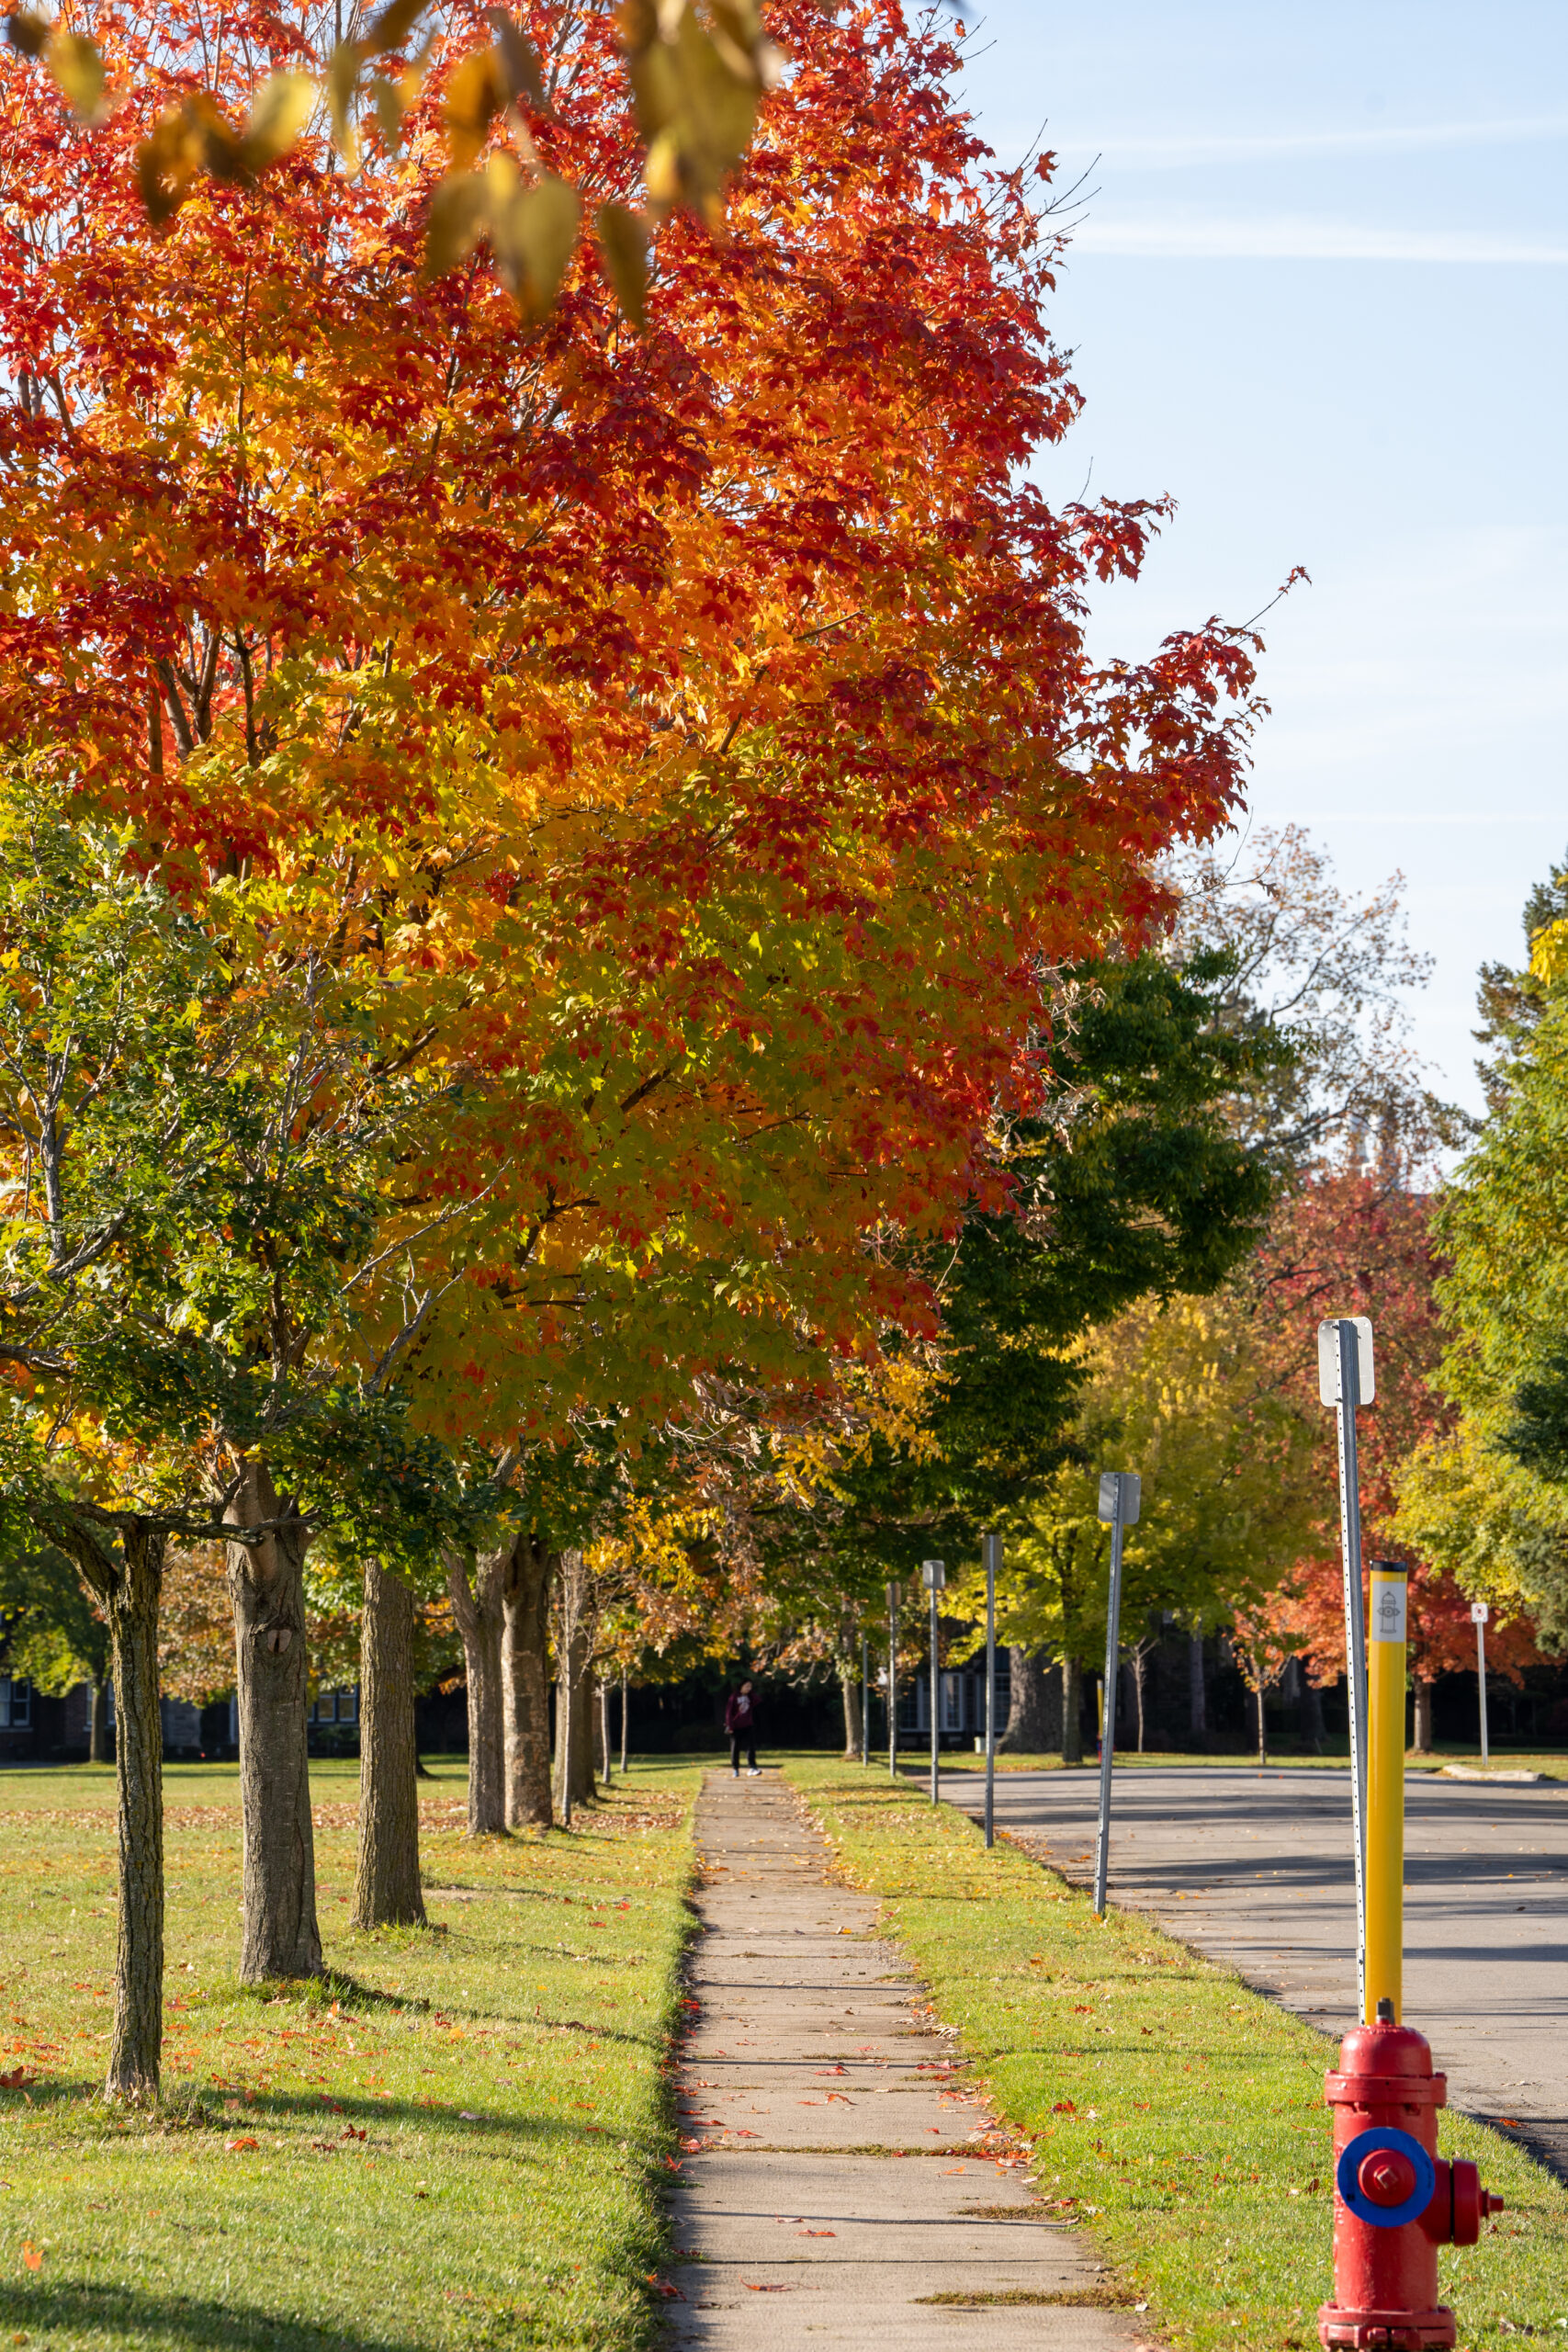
[234, 2146]
[31, 2255]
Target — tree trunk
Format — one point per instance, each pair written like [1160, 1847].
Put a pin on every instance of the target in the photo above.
[1140, 1675]
[573, 1775]
[1262, 1726]
[266, 1586]
[1033, 1726]
[99, 1722]
[849, 1683]
[623, 1726]
[1423, 1738]
[1197, 1693]
[604, 1732]
[385, 1877]
[480, 1609]
[136, 2041]
[1312, 1716]
[127, 1585]
[1072, 1712]
[525, 1683]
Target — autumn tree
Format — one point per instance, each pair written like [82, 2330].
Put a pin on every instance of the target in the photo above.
[692, 731]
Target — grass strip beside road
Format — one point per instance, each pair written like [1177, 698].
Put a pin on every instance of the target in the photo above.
[457, 2142]
[1175, 2113]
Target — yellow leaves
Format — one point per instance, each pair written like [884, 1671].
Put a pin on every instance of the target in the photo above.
[196, 137]
[696, 87]
[532, 230]
[458, 211]
[284, 105]
[1549, 952]
[475, 96]
[73, 60]
[623, 245]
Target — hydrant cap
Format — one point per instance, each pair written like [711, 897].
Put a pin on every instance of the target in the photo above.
[1386, 2050]
[1374, 2167]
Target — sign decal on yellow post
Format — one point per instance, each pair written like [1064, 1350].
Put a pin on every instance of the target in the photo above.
[1385, 1792]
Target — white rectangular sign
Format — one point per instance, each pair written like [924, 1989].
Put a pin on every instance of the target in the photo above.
[1388, 1610]
[1328, 1359]
[1479, 1613]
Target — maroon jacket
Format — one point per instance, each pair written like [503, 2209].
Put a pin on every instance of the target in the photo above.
[739, 1715]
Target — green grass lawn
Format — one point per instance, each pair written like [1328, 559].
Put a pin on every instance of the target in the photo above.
[1175, 2113]
[458, 2142]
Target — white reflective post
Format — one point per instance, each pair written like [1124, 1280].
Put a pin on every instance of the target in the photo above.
[864, 1700]
[1480, 1613]
[1345, 1379]
[935, 1574]
[992, 1562]
[1119, 1492]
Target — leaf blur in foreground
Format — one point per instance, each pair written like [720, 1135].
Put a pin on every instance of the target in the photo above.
[695, 84]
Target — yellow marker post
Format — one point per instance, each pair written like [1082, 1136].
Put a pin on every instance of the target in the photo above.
[1385, 1791]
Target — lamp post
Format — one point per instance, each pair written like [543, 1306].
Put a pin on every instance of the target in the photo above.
[1119, 1501]
[992, 1562]
[893, 1597]
[935, 1574]
[1346, 1379]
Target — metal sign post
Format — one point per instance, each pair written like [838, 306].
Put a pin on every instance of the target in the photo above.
[935, 1574]
[1345, 1379]
[864, 1700]
[1479, 1614]
[992, 1562]
[1120, 1495]
[893, 1597]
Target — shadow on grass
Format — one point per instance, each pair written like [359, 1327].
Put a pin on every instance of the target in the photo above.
[123, 2316]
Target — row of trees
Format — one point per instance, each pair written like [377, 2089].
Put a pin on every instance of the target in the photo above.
[1321, 1198]
[546, 869]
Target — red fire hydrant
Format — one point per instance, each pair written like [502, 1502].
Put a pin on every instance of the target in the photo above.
[1396, 2200]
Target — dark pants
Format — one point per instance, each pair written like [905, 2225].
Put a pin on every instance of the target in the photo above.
[738, 1740]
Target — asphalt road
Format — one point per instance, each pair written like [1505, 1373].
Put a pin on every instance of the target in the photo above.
[1253, 1868]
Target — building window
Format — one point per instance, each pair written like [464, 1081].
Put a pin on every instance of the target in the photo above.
[340, 1706]
[15, 1704]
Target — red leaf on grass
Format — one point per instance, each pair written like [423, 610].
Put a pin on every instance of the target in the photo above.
[32, 2258]
[235, 2145]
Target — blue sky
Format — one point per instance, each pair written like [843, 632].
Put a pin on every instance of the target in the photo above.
[1319, 295]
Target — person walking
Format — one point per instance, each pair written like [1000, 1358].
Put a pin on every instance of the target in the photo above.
[740, 1722]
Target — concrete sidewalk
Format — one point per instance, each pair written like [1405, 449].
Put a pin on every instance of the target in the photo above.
[1254, 1868]
[843, 2182]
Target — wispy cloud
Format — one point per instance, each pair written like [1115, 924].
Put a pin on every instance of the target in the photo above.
[1184, 237]
[1383, 139]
